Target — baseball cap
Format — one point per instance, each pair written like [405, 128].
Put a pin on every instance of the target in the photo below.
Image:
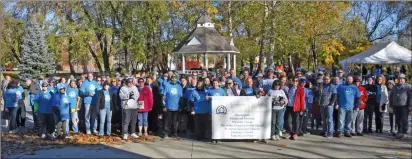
[45, 84]
[259, 75]
[301, 80]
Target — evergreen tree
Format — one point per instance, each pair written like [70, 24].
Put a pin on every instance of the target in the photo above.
[35, 59]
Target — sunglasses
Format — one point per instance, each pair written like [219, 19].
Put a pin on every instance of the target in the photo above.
[44, 86]
[229, 83]
[113, 81]
[140, 81]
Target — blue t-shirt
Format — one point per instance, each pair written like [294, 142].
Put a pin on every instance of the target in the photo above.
[172, 94]
[237, 80]
[62, 102]
[378, 93]
[199, 99]
[72, 93]
[106, 98]
[52, 89]
[347, 95]
[21, 90]
[44, 98]
[248, 91]
[216, 92]
[308, 98]
[291, 96]
[88, 87]
[266, 84]
[11, 97]
[114, 89]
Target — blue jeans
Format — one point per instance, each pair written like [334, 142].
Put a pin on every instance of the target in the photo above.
[276, 118]
[142, 118]
[87, 118]
[345, 119]
[13, 116]
[105, 114]
[282, 120]
[327, 119]
[75, 126]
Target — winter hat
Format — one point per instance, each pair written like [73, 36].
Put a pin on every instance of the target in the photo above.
[402, 76]
[302, 80]
[259, 75]
[45, 84]
[391, 82]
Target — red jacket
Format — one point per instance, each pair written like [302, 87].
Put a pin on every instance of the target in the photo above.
[145, 95]
[363, 97]
[299, 104]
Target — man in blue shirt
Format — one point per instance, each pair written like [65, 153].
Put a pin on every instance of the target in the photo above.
[235, 79]
[88, 90]
[172, 93]
[348, 100]
[326, 98]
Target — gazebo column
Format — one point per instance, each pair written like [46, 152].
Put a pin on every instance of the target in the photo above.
[234, 62]
[206, 61]
[183, 64]
[228, 62]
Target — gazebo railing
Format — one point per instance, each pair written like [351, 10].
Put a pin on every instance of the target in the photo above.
[188, 71]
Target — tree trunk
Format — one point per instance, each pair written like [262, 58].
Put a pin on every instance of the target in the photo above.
[72, 71]
[263, 38]
[292, 68]
[272, 39]
[314, 55]
[251, 63]
[99, 66]
[126, 57]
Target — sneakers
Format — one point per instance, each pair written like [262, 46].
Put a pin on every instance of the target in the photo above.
[165, 137]
[288, 135]
[280, 133]
[306, 133]
[145, 134]
[95, 132]
[277, 137]
[399, 135]
[139, 134]
[329, 136]
[348, 135]
[13, 132]
[125, 137]
[68, 137]
[359, 134]
[43, 136]
[403, 136]
[134, 136]
[295, 137]
[353, 134]
[88, 133]
[339, 134]
[273, 137]
[52, 136]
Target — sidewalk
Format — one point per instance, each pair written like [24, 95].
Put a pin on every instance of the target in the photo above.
[310, 146]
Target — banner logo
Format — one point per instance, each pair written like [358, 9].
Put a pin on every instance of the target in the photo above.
[221, 110]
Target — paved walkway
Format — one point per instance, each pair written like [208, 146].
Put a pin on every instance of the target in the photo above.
[310, 146]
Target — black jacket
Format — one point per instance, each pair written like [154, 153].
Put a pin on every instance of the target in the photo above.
[100, 100]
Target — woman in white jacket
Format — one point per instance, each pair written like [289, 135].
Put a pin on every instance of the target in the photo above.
[382, 101]
[128, 95]
[279, 100]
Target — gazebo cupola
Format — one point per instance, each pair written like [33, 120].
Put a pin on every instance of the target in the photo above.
[204, 40]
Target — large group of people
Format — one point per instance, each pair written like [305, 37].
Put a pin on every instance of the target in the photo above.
[173, 104]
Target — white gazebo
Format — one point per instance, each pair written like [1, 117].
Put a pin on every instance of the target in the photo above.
[204, 40]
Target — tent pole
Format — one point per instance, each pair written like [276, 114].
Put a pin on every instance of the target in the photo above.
[183, 64]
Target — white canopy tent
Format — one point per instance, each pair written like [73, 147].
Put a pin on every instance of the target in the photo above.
[385, 53]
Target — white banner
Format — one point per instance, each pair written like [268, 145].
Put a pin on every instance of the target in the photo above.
[240, 117]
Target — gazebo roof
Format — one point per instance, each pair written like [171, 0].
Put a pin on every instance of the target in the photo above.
[205, 39]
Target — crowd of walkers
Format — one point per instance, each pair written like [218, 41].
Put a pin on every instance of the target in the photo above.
[172, 104]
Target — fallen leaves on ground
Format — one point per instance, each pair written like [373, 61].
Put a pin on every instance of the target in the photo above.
[28, 141]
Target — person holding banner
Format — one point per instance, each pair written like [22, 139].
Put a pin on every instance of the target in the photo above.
[199, 107]
[216, 91]
[278, 103]
[296, 106]
[249, 90]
